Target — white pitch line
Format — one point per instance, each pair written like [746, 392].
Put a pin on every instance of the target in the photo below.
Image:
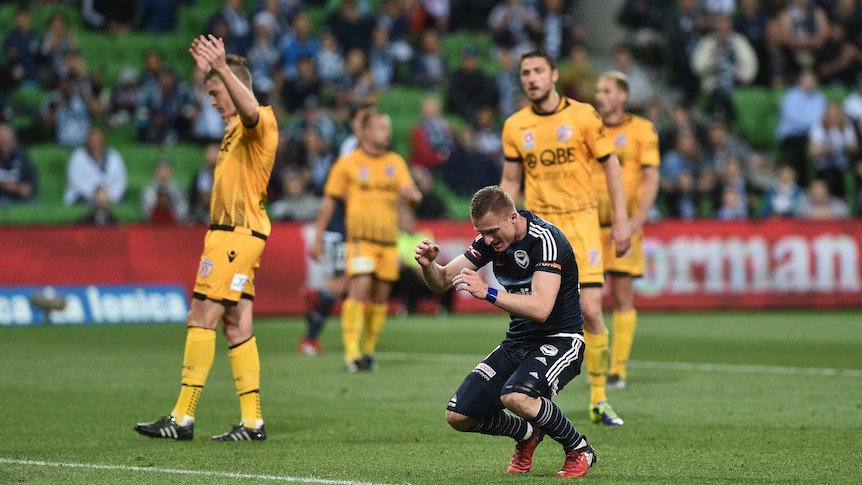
[641, 364]
[176, 471]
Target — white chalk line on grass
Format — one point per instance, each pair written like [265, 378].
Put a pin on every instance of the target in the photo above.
[641, 364]
[177, 471]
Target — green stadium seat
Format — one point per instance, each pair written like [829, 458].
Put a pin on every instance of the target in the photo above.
[757, 115]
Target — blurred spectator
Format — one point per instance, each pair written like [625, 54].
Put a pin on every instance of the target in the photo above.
[723, 146]
[804, 29]
[640, 84]
[393, 18]
[207, 125]
[731, 178]
[111, 16]
[317, 117]
[837, 61]
[732, 206]
[801, 107]
[751, 22]
[164, 116]
[467, 170]
[94, 165]
[560, 31]
[100, 213]
[471, 15]
[686, 156]
[436, 14]
[305, 85]
[57, 43]
[578, 78]
[682, 198]
[470, 88]
[681, 119]
[153, 64]
[19, 179]
[299, 43]
[508, 82]
[351, 27]
[759, 172]
[723, 59]
[852, 106]
[67, 111]
[432, 205]
[232, 14]
[833, 146]
[818, 203]
[784, 197]
[431, 137]
[263, 60]
[639, 16]
[489, 141]
[775, 71]
[313, 157]
[411, 288]
[202, 186]
[357, 84]
[329, 58]
[297, 202]
[428, 68]
[156, 16]
[124, 97]
[162, 199]
[381, 61]
[21, 46]
[686, 23]
[849, 14]
[515, 25]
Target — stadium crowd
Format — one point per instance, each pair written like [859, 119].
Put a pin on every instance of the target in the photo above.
[314, 60]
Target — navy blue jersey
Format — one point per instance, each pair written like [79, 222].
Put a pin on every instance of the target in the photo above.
[544, 248]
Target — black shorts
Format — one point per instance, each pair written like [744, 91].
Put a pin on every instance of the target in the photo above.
[334, 254]
[541, 369]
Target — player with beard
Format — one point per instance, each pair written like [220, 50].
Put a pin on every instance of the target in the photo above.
[636, 142]
[552, 144]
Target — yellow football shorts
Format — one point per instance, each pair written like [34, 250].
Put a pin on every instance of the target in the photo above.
[227, 265]
[381, 260]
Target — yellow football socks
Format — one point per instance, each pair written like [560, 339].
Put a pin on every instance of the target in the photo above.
[625, 324]
[374, 322]
[352, 321]
[197, 362]
[596, 358]
[245, 364]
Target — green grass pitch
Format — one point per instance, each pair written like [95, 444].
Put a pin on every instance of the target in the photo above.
[713, 398]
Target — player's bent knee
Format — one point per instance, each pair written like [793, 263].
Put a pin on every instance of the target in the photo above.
[459, 422]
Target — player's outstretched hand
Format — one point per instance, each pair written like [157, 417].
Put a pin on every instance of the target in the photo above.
[208, 52]
[426, 252]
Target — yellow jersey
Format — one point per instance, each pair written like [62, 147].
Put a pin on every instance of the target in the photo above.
[370, 188]
[242, 173]
[557, 151]
[636, 143]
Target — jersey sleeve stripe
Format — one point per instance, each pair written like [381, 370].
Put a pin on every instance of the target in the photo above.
[549, 244]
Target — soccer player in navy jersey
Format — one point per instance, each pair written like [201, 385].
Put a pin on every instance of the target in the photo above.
[509, 393]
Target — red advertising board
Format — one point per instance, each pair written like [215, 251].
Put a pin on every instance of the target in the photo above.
[697, 265]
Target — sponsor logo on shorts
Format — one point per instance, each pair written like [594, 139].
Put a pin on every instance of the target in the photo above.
[543, 360]
[238, 282]
[521, 258]
[206, 268]
[549, 350]
[485, 370]
[534, 375]
[453, 401]
[595, 257]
